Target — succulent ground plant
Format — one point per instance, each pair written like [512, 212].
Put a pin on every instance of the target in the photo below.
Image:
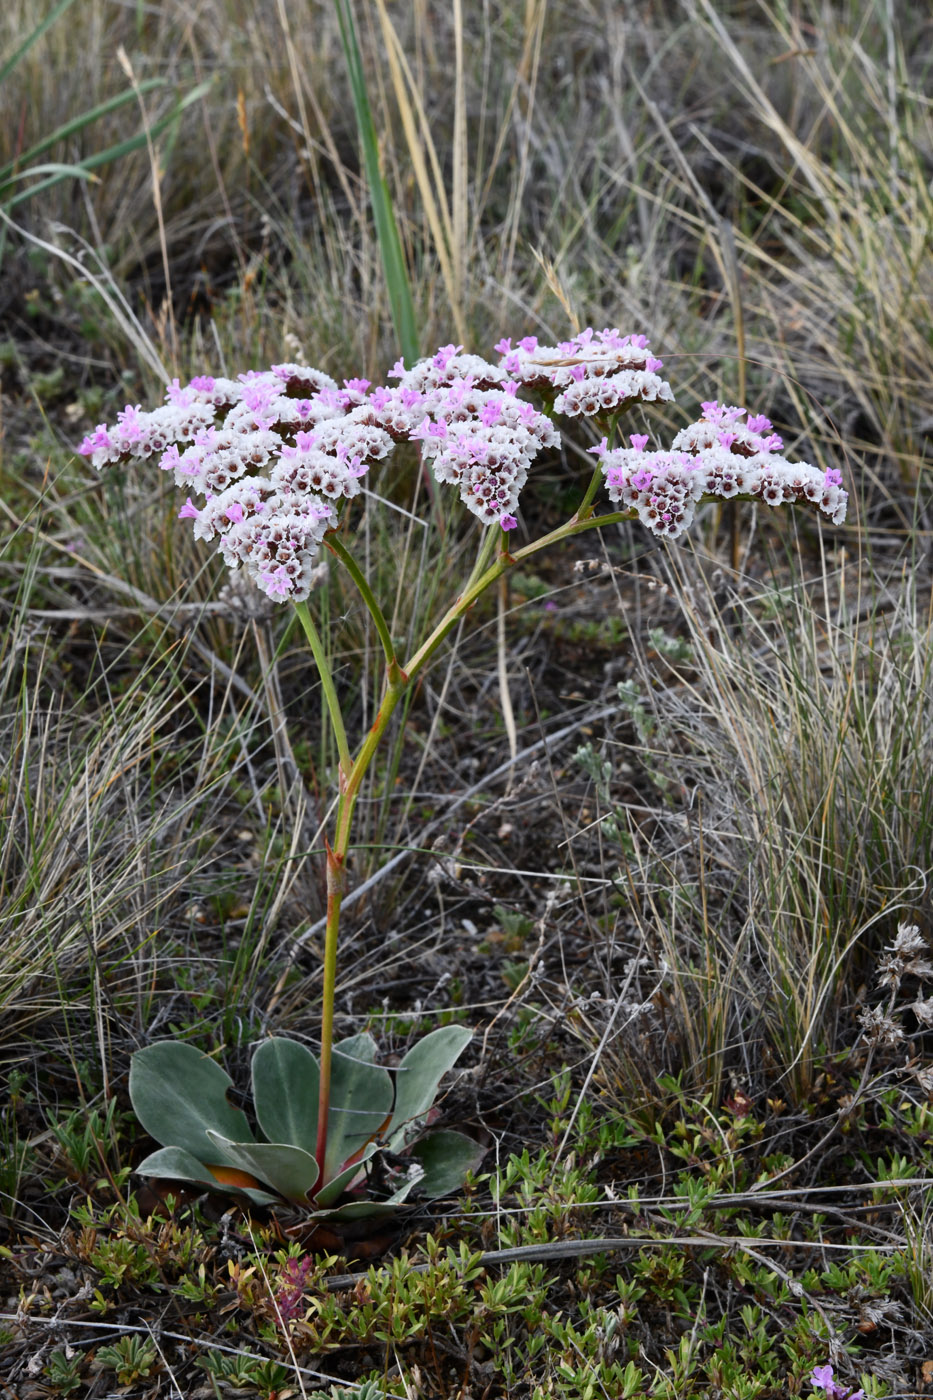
[378, 1119]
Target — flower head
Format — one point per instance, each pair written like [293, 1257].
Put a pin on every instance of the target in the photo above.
[719, 426]
[274, 452]
[822, 1379]
[474, 431]
[268, 452]
[597, 372]
[664, 487]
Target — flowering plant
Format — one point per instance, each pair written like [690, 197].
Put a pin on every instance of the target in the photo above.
[822, 1379]
[269, 463]
[180, 1097]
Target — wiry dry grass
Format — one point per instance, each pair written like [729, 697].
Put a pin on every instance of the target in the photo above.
[751, 182]
[800, 735]
[112, 812]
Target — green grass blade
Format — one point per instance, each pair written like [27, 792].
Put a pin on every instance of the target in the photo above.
[390, 244]
[57, 169]
[34, 37]
[112, 153]
[70, 128]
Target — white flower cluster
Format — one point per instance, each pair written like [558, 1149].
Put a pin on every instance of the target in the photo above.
[905, 957]
[719, 426]
[473, 429]
[597, 372]
[269, 453]
[273, 452]
[664, 487]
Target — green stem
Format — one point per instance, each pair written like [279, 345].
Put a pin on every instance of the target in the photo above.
[354, 769]
[490, 539]
[592, 488]
[596, 478]
[468, 597]
[397, 683]
[327, 684]
[369, 598]
[335, 884]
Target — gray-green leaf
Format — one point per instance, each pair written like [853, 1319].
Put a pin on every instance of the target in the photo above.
[361, 1096]
[288, 1170]
[418, 1076]
[333, 1189]
[286, 1084]
[178, 1093]
[446, 1158]
[175, 1164]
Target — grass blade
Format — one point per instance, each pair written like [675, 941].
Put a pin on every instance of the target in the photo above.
[107, 157]
[34, 37]
[390, 244]
[77, 124]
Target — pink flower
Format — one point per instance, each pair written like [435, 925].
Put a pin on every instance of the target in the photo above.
[639, 441]
[98, 441]
[189, 511]
[822, 1379]
[422, 430]
[508, 522]
[177, 395]
[277, 581]
[128, 418]
[445, 354]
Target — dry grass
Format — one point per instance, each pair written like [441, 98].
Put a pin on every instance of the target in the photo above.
[799, 735]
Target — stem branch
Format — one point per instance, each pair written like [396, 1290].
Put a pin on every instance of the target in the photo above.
[327, 684]
[366, 593]
[468, 597]
[353, 770]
